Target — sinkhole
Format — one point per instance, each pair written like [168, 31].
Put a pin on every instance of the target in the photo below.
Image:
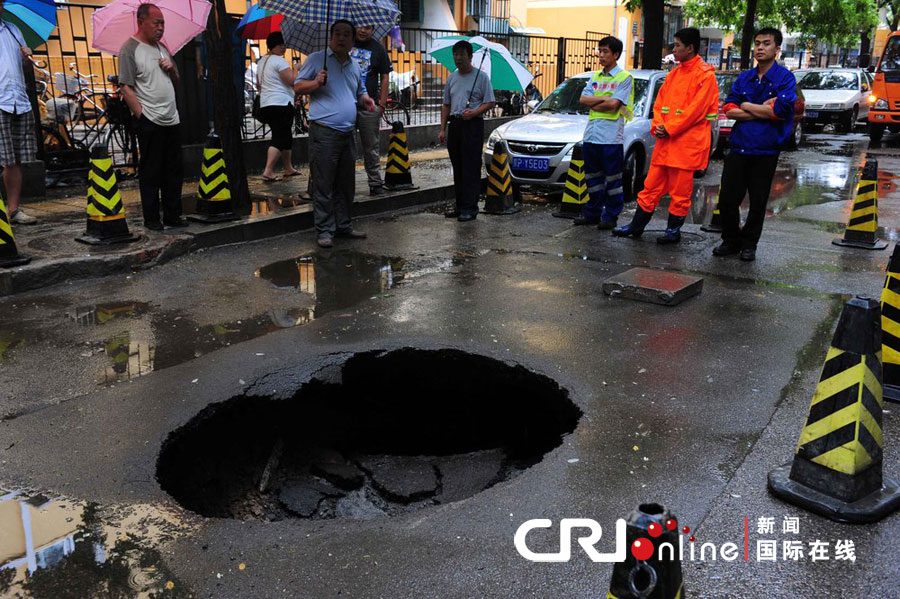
[387, 433]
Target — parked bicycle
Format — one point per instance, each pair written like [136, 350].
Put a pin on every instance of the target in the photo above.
[81, 118]
[402, 94]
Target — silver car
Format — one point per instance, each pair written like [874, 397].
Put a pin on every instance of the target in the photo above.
[540, 144]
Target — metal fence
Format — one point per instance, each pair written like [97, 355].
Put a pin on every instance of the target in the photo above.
[417, 83]
[76, 97]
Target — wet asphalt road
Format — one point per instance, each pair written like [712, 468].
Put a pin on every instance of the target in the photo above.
[688, 406]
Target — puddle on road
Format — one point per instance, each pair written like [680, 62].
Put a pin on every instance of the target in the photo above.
[333, 281]
[55, 548]
[143, 338]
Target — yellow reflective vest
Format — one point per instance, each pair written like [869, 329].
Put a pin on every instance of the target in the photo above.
[603, 85]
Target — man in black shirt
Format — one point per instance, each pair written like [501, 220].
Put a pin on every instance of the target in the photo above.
[375, 66]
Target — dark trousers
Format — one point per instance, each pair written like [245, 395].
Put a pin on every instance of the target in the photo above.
[745, 174]
[161, 170]
[464, 142]
[603, 165]
[332, 172]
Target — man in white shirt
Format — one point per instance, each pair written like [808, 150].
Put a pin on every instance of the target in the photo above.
[17, 142]
[148, 76]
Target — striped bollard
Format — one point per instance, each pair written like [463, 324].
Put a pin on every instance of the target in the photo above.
[105, 209]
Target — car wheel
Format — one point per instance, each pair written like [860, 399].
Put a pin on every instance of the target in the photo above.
[845, 125]
[633, 177]
[876, 132]
[796, 137]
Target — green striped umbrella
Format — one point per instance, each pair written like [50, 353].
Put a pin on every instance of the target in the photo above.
[494, 59]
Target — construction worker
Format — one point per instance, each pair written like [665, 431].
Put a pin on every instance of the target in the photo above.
[610, 96]
[685, 108]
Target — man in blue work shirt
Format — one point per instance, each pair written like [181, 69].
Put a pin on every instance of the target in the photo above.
[610, 96]
[335, 94]
[762, 104]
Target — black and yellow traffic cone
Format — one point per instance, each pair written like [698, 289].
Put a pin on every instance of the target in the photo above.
[715, 223]
[498, 198]
[214, 194]
[396, 173]
[659, 575]
[575, 195]
[890, 328]
[836, 470]
[105, 210]
[9, 256]
[862, 228]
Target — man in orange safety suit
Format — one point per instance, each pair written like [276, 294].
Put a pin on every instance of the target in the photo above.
[683, 113]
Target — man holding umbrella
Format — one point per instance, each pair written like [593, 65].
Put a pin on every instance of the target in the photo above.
[335, 91]
[148, 75]
[17, 143]
[467, 96]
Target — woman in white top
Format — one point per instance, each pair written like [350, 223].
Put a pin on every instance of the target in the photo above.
[276, 104]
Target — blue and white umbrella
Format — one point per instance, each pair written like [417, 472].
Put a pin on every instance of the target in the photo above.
[358, 12]
[309, 37]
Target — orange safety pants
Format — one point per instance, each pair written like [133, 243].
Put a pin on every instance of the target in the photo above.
[678, 182]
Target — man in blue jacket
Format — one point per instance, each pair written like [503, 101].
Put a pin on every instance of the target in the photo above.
[762, 104]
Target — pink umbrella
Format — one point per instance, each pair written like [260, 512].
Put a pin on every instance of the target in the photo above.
[116, 22]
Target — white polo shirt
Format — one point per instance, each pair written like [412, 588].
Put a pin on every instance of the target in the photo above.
[13, 98]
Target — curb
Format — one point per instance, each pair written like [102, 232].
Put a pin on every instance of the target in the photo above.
[50, 271]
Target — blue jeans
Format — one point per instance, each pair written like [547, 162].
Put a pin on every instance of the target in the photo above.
[603, 166]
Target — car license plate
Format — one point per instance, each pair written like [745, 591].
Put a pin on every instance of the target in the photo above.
[523, 163]
[812, 114]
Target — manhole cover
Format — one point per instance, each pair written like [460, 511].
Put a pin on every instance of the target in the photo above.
[397, 432]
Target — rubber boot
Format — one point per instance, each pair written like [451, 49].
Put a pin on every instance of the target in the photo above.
[673, 230]
[636, 227]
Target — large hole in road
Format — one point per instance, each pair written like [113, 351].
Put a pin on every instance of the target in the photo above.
[395, 432]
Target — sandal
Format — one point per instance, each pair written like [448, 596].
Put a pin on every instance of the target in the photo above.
[292, 174]
[270, 179]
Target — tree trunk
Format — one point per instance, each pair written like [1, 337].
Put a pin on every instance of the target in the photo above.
[654, 13]
[747, 34]
[227, 116]
[865, 50]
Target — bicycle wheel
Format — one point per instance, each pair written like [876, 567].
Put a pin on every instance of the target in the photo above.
[121, 143]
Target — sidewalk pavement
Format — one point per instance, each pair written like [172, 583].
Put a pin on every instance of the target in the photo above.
[276, 209]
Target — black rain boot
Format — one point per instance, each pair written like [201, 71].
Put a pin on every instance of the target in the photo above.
[673, 230]
[636, 227]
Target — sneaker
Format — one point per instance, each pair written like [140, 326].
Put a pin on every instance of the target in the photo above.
[20, 218]
[325, 242]
[154, 226]
[748, 254]
[377, 190]
[179, 222]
